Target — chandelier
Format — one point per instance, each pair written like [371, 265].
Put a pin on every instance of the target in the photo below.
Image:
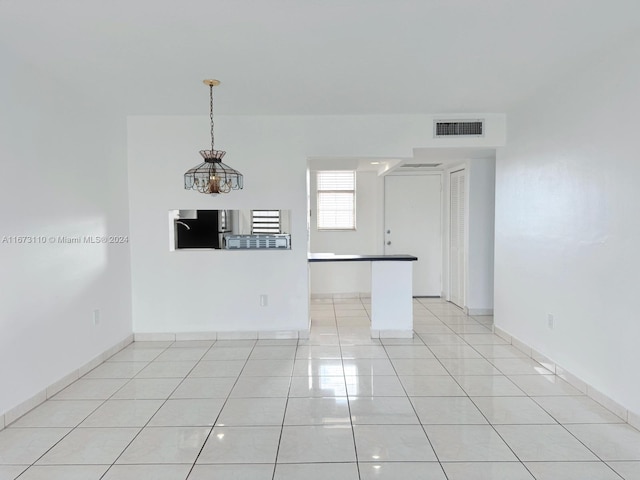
[212, 176]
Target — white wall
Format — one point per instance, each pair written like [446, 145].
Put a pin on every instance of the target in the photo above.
[348, 277]
[192, 291]
[567, 224]
[63, 174]
[481, 214]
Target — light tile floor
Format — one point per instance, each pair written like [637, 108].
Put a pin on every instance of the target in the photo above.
[455, 402]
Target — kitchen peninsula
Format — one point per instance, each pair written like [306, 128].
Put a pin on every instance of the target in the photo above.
[391, 291]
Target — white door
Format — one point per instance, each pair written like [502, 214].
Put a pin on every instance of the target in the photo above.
[456, 237]
[412, 225]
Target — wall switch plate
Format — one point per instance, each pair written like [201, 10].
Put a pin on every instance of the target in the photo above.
[550, 321]
[264, 300]
[96, 317]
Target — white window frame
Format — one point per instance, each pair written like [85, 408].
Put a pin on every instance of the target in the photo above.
[332, 184]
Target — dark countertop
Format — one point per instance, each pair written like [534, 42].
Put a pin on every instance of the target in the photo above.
[332, 257]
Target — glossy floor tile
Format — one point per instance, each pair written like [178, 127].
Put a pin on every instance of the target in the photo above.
[123, 413]
[447, 411]
[59, 414]
[9, 472]
[512, 411]
[89, 446]
[469, 366]
[572, 470]
[253, 472]
[155, 472]
[199, 412]
[488, 385]
[609, 441]
[252, 412]
[455, 402]
[317, 411]
[316, 471]
[392, 443]
[627, 470]
[431, 386]
[261, 387]
[382, 411]
[404, 470]
[91, 389]
[241, 445]
[487, 471]
[165, 445]
[117, 370]
[468, 443]
[65, 472]
[204, 388]
[318, 386]
[544, 443]
[147, 389]
[538, 385]
[316, 444]
[576, 409]
[374, 386]
[26, 445]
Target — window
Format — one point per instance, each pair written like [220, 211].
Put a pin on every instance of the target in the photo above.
[336, 200]
[265, 221]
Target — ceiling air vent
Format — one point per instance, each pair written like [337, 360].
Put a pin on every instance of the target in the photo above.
[420, 165]
[458, 128]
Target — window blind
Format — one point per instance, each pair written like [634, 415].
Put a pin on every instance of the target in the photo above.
[265, 221]
[336, 200]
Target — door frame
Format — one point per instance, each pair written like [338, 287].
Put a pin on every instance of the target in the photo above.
[446, 216]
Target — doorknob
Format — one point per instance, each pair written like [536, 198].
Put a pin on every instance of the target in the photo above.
[388, 243]
[388, 232]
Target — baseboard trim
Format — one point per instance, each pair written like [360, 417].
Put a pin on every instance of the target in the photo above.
[479, 311]
[391, 333]
[21, 409]
[340, 296]
[632, 418]
[239, 335]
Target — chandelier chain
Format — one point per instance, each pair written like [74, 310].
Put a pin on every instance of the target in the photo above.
[211, 113]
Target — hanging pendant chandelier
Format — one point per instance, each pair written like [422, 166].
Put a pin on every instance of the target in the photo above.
[212, 176]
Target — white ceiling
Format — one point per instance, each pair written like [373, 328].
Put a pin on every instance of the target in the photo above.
[311, 56]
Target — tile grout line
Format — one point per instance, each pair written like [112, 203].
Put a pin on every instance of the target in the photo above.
[284, 413]
[208, 436]
[33, 464]
[344, 379]
[158, 409]
[416, 413]
[483, 415]
[526, 395]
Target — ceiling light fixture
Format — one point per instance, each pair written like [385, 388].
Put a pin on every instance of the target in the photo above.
[212, 176]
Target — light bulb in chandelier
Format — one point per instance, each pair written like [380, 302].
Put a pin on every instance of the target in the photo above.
[215, 186]
[212, 176]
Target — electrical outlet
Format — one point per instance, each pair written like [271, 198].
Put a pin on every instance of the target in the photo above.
[96, 317]
[264, 300]
[550, 321]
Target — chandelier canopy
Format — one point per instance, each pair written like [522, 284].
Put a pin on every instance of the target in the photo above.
[212, 176]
